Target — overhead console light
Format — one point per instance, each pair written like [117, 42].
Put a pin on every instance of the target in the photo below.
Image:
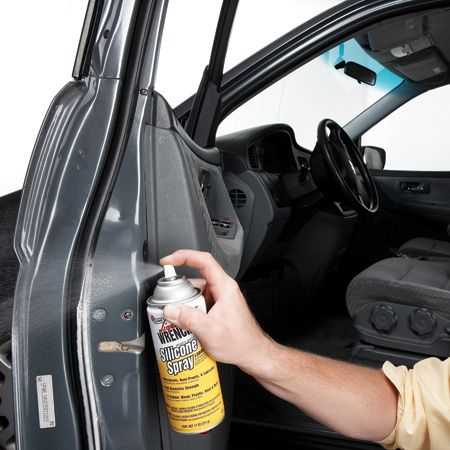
[412, 47]
[402, 51]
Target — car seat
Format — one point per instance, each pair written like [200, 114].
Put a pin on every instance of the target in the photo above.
[403, 303]
[425, 247]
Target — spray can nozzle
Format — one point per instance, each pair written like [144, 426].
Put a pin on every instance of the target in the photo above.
[173, 288]
[169, 271]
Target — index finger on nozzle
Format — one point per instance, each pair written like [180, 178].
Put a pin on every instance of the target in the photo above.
[202, 261]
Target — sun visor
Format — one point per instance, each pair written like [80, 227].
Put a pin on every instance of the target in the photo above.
[422, 65]
[394, 35]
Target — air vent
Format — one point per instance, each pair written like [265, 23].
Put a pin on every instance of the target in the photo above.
[253, 157]
[238, 198]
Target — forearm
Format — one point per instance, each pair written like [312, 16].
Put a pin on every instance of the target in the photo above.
[355, 401]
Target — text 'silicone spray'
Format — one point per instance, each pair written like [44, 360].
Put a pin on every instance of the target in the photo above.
[189, 377]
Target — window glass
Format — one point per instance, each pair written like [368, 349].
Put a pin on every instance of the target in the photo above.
[314, 92]
[415, 137]
[259, 22]
[190, 28]
[186, 45]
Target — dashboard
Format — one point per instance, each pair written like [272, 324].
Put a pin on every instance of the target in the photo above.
[270, 184]
[272, 152]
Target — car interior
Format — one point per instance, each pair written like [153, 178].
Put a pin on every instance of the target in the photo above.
[339, 257]
[309, 271]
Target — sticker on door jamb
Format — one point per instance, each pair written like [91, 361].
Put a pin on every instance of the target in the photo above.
[46, 404]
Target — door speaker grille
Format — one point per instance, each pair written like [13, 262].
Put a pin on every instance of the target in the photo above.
[238, 198]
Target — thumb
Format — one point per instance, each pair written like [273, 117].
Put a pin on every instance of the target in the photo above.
[188, 318]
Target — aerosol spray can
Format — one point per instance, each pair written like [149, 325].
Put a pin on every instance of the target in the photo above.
[189, 378]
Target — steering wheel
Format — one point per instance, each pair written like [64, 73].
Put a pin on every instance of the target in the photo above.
[339, 170]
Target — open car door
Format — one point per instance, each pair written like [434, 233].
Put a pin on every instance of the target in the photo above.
[114, 184]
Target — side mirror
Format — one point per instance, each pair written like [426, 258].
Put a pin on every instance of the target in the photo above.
[358, 72]
[374, 157]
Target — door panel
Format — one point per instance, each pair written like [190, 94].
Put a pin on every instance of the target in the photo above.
[424, 195]
[157, 206]
[181, 209]
[403, 215]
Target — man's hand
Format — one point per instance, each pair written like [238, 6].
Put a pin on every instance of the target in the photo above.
[228, 332]
[355, 401]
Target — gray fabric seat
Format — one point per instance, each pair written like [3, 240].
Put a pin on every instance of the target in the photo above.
[426, 247]
[402, 281]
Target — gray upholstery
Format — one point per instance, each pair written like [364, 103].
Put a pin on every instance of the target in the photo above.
[426, 247]
[404, 281]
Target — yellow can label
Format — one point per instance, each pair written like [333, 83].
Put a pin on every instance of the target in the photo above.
[189, 377]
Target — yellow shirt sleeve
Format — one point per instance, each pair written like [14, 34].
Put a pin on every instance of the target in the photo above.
[423, 413]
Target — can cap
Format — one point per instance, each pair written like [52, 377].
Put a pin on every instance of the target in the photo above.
[173, 288]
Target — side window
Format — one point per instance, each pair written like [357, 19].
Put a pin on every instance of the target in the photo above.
[416, 136]
[182, 61]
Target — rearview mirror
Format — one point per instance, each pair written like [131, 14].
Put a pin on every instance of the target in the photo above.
[374, 157]
[358, 72]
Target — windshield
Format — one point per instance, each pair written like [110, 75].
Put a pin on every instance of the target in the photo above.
[313, 92]
[352, 51]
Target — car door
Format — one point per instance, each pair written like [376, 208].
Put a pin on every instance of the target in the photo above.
[113, 185]
[414, 184]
